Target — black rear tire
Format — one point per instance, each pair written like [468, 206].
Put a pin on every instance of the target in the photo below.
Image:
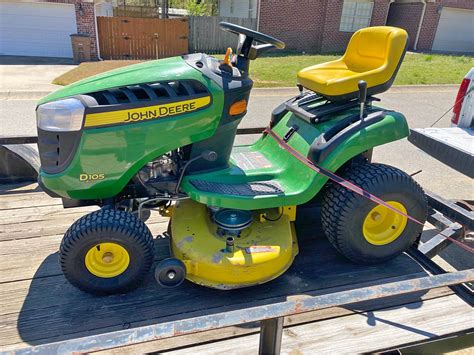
[344, 212]
[114, 227]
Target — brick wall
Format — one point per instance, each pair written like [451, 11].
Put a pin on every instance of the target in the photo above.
[312, 25]
[380, 12]
[334, 40]
[85, 22]
[428, 27]
[406, 16]
[297, 22]
[431, 19]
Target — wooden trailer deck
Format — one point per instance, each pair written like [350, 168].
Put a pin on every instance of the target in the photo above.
[38, 306]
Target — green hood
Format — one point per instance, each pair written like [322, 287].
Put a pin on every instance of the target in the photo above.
[156, 70]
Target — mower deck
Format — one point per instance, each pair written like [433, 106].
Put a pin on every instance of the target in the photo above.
[39, 306]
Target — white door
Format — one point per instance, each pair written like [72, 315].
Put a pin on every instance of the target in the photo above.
[455, 31]
[36, 29]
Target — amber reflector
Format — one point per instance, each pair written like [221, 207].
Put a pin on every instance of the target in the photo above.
[238, 107]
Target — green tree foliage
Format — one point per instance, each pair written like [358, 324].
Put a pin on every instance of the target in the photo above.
[201, 7]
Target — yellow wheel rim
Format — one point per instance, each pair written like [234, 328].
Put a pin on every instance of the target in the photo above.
[382, 225]
[107, 260]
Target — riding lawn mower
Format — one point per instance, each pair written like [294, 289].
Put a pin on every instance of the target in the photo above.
[159, 135]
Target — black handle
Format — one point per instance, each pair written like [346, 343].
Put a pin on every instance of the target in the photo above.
[362, 91]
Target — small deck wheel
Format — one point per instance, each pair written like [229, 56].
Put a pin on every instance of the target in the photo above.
[170, 272]
[364, 231]
[107, 251]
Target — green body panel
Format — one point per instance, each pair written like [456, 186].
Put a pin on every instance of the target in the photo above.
[116, 153]
[120, 151]
[299, 182]
[168, 69]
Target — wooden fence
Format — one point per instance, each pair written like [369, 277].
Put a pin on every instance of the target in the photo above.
[154, 38]
[206, 36]
[142, 38]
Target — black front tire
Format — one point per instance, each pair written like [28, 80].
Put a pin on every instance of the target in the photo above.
[114, 227]
[344, 212]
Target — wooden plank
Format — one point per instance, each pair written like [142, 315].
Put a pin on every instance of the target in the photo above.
[39, 255]
[51, 263]
[23, 259]
[20, 259]
[122, 46]
[63, 318]
[18, 295]
[27, 200]
[40, 210]
[100, 35]
[35, 229]
[254, 328]
[317, 267]
[50, 223]
[38, 229]
[39, 305]
[19, 188]
[182, 33]
[360, 333]
[391, 327]
[41, 213]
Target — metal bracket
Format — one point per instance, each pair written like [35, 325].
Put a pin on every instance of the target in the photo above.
[271, 331]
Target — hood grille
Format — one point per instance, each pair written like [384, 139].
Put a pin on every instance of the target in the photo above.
[179, 89]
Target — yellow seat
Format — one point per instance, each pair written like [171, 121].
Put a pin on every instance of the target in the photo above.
[373, 54]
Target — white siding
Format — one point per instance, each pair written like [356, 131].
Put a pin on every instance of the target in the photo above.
[455, 32]
[36, 29]
[238, 8]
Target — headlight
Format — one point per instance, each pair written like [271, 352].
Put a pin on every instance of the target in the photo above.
[60, 116]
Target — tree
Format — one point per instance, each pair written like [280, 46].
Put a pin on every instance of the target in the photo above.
[201, 7]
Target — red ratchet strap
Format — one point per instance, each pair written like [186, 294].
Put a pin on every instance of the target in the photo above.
[350, 186]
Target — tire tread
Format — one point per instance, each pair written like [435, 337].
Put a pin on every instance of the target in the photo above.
[338, 201]
[109, 220]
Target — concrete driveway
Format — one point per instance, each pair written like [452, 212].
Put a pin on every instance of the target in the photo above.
[30, 77]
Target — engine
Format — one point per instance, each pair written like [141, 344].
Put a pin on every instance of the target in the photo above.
[162, 167]
[160, 175]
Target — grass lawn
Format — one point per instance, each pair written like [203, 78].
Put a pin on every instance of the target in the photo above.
[280, 70]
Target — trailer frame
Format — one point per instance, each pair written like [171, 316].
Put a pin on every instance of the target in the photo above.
[451, 218]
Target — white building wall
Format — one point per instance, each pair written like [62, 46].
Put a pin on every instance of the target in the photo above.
[238, 8]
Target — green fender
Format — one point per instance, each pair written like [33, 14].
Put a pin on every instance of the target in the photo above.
[393, 127]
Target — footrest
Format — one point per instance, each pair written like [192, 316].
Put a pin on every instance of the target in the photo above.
[248, 189]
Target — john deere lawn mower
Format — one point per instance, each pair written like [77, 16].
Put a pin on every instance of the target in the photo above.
[159, 135]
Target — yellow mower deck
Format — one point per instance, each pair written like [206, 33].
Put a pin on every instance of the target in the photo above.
[263, 251]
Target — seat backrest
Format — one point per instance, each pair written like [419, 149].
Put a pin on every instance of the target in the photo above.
[375, 47]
